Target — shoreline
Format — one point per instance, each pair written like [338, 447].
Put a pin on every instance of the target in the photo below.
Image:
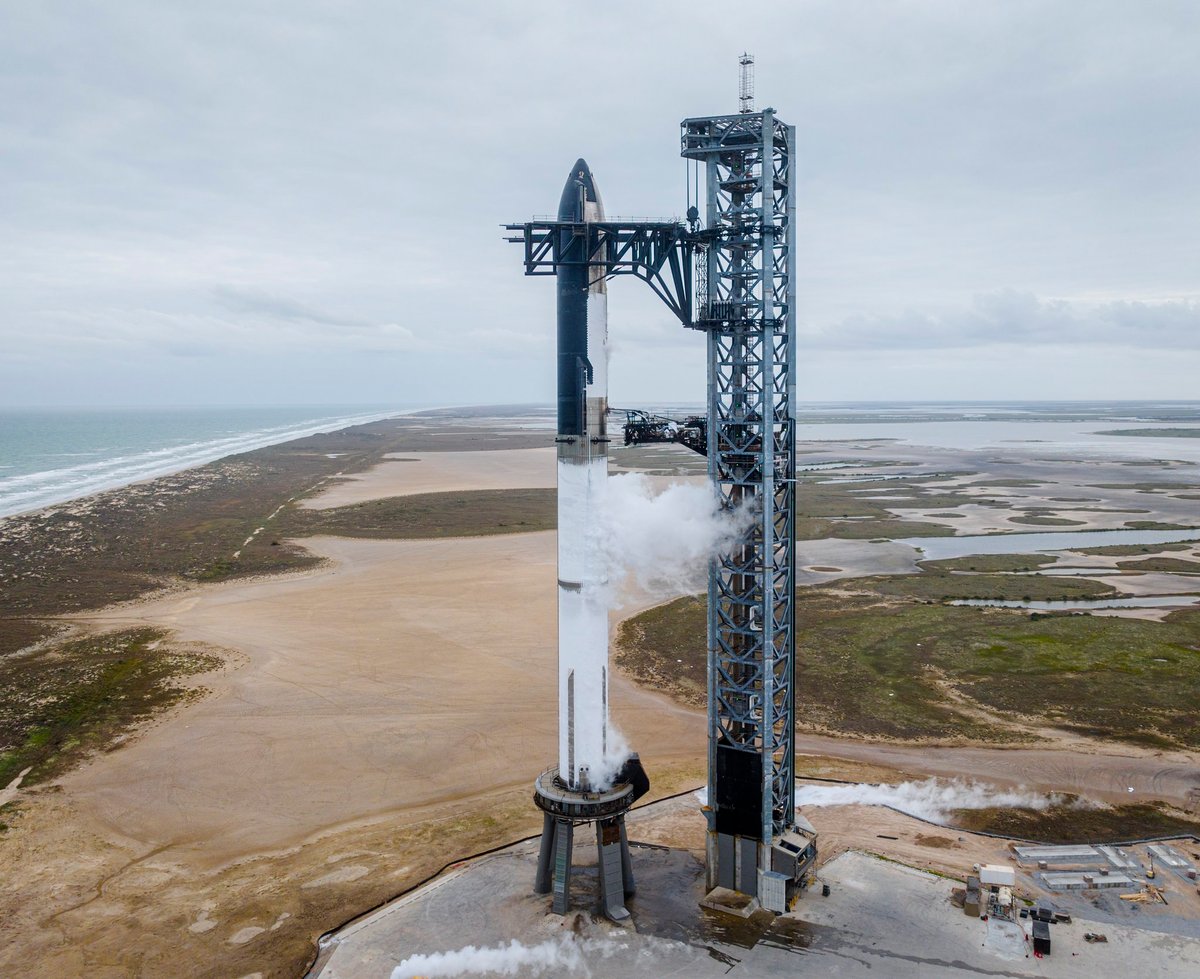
[187, 520]
[214, 450]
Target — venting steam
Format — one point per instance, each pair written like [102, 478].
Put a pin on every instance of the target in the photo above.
[933, 800]
[658, 543]
[513, 959]
[661, 542]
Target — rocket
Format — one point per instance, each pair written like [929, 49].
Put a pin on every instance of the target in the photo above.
[597, 779]
[582, 441]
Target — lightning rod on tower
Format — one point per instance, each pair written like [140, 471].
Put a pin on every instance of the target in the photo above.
[746, 83]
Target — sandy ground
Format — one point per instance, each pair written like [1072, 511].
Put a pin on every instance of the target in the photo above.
[1099, 771]
[442, 472]
[392, 678]
[378, 716]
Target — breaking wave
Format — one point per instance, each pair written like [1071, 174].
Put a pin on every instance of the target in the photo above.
[46, 487]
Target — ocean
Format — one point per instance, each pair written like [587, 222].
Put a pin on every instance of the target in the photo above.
[50, 455]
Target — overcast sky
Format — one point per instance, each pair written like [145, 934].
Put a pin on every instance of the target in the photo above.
[299, 202]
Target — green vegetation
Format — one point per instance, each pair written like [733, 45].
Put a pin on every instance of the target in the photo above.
[61, 704]
[882, 529]
[1040, 520]
[827, 509]
[1126, 550]
[1160, 433]
[464, 514]
[220, 569]
[1070, 823]
[666, 647]
[990, 562]
[874, 667]
[948, 587]
[17, 634]
[1158, 487]
[1161, 564]
[1157, 525]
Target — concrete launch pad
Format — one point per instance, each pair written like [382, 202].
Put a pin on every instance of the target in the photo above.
[881, 919]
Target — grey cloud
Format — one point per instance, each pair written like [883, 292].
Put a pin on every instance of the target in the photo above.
[254, 182]
[279, 307]
[1009, 317]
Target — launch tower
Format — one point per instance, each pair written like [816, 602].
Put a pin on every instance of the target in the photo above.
[745, 305]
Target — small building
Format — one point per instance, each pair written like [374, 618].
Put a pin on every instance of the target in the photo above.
[1121, 859]
[1073, 881]
[1060, 855]
[1041, 937]
[995, 875]
[1166, 855]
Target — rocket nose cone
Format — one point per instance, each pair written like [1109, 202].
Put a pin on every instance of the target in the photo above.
[580, 187]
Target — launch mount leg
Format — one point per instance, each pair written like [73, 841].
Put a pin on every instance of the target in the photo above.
[544, 881]
[610, 844]
[564, 838]
[627, 862]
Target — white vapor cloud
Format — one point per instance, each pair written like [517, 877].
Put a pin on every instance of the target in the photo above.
[514, 959]
[933, 799]
[661, 539]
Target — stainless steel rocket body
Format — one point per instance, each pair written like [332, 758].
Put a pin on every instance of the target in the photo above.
[584, 748]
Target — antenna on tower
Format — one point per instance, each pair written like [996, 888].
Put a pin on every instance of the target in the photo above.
[746, 83]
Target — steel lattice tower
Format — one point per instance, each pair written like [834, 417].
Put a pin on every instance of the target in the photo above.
[745, 302]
